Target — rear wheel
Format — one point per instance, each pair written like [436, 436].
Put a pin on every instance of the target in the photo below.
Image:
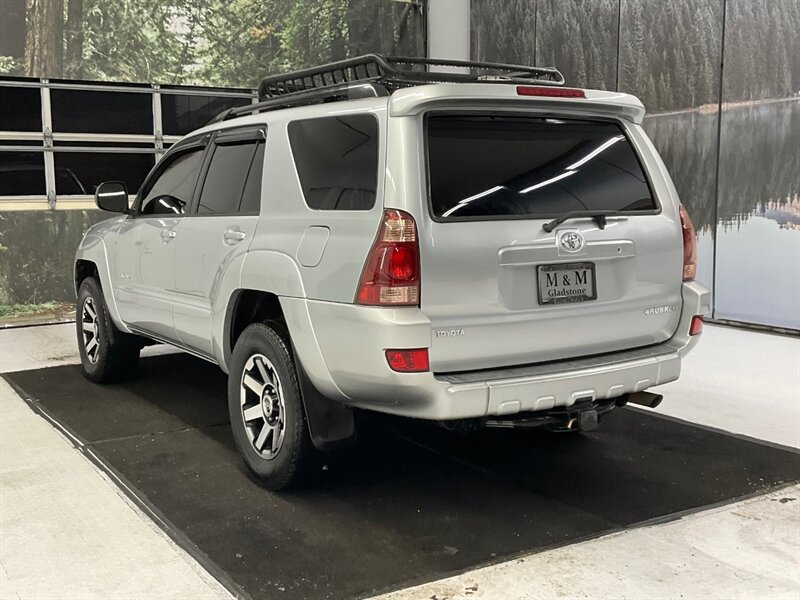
[107, 354]
[266, 407]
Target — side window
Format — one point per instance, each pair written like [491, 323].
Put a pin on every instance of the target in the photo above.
[172, 190]
[225, 179]
[251, 197]
[337, 161]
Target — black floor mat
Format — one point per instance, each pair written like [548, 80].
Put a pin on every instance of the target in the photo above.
[410, 502]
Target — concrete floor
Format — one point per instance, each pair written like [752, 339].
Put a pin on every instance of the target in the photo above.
[750, 549]
[67, 531]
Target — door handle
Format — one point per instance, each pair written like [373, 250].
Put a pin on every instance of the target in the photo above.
[234, 235]
[168, 234]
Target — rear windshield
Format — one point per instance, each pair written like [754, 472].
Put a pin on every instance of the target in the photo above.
[483, 167]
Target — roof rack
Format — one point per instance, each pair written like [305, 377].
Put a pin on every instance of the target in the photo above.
[374, 75]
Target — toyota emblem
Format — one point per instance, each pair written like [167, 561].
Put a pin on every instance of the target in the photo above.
[571, 241]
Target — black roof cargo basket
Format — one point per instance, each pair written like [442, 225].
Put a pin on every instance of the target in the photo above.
[395, 72]
[374, 75]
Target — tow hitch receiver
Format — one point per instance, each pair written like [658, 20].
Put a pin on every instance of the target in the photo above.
[581, 416]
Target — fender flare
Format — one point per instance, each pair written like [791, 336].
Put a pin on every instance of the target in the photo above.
[93, 249]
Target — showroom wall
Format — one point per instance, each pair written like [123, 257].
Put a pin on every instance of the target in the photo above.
[669, 54]
[92, 90]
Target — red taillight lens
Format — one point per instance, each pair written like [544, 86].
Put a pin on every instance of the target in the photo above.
[689, 246]
[391, 272]
[408, 361]
[552, 92]
[696, 327]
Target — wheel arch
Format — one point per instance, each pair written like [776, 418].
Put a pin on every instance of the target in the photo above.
[246, 306]
[83, 269]
[91, 259]
[330, 422]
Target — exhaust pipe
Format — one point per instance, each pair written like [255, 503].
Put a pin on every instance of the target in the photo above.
[647, 399]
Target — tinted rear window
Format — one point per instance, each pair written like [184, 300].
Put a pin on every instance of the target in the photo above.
[523, 167]
[337, 161]
[251, 197]
[225, 181]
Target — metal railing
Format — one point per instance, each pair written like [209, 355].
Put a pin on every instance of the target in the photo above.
[50, 142]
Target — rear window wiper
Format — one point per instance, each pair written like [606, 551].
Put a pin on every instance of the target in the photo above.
[598, 215]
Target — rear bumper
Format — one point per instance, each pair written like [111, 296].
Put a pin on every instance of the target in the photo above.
[346, 361]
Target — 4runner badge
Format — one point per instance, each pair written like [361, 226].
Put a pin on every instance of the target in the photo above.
[660, 310]
[571, 241]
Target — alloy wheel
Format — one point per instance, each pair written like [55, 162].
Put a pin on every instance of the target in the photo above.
[91, 330]
[262, 405]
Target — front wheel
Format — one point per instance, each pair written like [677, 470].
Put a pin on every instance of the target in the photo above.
[266, 407]
[107, 354]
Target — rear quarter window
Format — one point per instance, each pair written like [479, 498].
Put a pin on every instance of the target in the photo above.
[337, 161]
[495, 167]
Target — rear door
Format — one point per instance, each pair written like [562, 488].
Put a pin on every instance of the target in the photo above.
[498, 288]
[217, 231]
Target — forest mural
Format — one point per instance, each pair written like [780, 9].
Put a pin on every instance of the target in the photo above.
[729, 134]
[670, 54]
[231, 43]
[219, 43]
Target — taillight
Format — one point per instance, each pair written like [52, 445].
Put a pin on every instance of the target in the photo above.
[689, 246]
[696, 327]
[391, 273]
[408, 361]
[553, 92]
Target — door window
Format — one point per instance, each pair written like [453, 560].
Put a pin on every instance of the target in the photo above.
[171, 192]
[251, 197]
[233, 182]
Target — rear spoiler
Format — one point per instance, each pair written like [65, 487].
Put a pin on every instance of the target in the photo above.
[412, 101]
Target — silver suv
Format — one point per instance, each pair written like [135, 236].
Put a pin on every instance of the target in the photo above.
[479, 247]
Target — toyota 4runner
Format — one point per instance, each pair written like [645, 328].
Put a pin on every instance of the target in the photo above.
[469, 243]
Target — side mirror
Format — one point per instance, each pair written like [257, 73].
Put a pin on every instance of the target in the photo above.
[112, 196]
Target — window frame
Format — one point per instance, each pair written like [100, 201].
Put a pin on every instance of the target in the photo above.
[223, 137]
[467, 112]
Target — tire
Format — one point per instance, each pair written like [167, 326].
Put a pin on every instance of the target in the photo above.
[107, 354]
[266, 408]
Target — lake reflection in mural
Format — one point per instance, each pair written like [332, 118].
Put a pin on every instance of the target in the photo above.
[758, 272]
[758, 216]
[758, 233]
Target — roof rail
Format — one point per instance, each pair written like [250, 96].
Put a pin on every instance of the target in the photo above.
[332, 93]
[374, 75]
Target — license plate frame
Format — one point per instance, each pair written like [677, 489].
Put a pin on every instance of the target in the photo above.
[542, 272]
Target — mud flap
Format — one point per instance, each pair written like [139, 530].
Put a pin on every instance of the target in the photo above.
[331, 424]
